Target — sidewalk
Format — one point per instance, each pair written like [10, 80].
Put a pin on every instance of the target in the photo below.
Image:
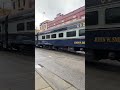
[46, 80]
[40, 83]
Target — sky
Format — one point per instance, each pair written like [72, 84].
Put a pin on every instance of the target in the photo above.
[48, 9]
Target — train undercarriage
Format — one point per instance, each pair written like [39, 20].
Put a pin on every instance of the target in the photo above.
[96, 55]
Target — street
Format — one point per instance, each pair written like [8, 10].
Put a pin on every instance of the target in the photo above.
[103, 75]
[16, 71]
[62, 71]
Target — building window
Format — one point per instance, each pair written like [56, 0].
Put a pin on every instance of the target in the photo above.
[62, 20]
[71, 34]
[31, 25]
[13, 5]
[31, 2]
[43, 37]
[112, 15]
[47, 36]
[18, 3]
[60, 34]
[83, 24]
[20, 27]
[23, 2]
[53, 36]
[74, 16]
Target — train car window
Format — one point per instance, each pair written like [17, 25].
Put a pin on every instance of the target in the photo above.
[20, 27]
[112, 15]
[53, 36]
[81, 32]
[43, 37]
[71, 34]
[60, 34]
[47, 36]
[31, 25]
[91, 18]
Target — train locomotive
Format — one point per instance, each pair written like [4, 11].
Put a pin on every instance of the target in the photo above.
[17, 31]
[103, 29]
[70, 37]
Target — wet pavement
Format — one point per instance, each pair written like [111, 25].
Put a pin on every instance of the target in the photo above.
[63, 71]
[16, 71]
[103, 75]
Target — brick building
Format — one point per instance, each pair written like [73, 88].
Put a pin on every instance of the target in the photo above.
[20, 5]
[64, 19]
[4, 11]
[44, 25]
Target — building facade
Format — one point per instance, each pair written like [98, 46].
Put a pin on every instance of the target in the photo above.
[44, 25]
[4, 11]
[70, 17]
[61, 19]
[20, 5]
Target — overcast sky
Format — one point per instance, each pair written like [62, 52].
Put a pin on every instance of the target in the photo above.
[48, 9]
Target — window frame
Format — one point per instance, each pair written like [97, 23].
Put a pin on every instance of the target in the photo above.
[60, 36]
[27, 25]
[106, 16]
[70, 32]
[44, 37]
[55, 36]
[97, 16]
[23, 28]
[47, 35]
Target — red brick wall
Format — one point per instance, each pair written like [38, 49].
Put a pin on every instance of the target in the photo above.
[68, 17]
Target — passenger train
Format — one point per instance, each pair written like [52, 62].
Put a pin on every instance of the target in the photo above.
[17, 31]
[102, 29]
[70, 37]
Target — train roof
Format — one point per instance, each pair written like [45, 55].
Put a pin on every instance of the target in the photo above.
[60, 28]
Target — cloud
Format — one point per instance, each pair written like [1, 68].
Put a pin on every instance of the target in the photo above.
[53, 7]
[39, 18]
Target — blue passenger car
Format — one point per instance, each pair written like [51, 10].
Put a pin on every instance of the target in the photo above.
[103, 29]
[68, 37]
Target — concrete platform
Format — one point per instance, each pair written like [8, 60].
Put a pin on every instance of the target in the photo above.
[40, 83]
[46, 80]
[61, 67]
